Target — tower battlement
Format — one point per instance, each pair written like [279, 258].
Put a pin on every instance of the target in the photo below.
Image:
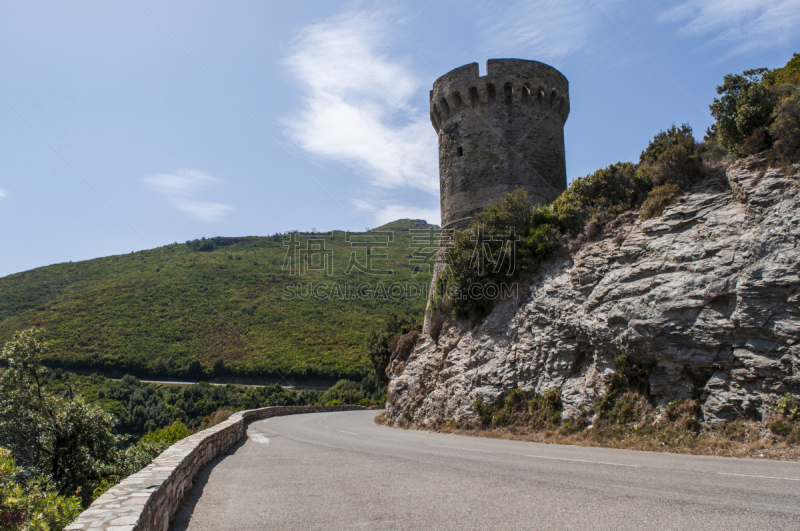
[498, 133]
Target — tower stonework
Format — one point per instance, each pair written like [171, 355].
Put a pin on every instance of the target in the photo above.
[499, 133]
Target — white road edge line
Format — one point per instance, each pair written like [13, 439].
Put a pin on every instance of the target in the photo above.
[348, 432]
[583, 461]
[751, 476]
[459, 448]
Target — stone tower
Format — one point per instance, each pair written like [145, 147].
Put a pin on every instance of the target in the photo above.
[498, 133]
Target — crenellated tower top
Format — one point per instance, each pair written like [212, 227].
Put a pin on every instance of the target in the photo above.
[498, 133]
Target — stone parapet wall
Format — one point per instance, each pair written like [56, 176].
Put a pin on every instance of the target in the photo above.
[147, 500]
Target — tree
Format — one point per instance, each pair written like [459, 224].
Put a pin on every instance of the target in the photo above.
[195, 370]
[379, 343]
[63, 438]
[744, 109]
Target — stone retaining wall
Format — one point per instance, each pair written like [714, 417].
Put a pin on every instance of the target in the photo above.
[147, 500]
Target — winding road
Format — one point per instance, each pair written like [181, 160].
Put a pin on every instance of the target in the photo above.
[341, 471]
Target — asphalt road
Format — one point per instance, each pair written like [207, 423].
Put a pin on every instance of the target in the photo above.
[341, 471]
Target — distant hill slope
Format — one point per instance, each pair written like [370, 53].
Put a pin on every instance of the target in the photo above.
[153, 312]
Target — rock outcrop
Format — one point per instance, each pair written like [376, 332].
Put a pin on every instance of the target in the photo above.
[709, 292]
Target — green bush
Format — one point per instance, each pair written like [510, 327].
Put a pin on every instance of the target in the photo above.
[627, 391]
[789, 407]
[599, 198]
[518, 409]
[33, 504]
[381, 343]
[168, 435]
[546, 409]
[370, 391]
[672, 156]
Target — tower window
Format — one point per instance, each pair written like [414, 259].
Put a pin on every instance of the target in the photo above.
[473, 96]
[459, 151]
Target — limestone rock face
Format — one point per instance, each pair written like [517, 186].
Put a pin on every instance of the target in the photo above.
[709, 292]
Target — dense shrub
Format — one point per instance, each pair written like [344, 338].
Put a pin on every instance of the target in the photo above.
[673, 157]
[788, 406]
[520, 409]
[370, 391]
[658, 199]
[627, 391]
[599, 198]
[32, 504]
[168, 435]
[381, 343]
[785, 129]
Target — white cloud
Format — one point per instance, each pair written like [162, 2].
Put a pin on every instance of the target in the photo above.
[357, 105]
[3, 193]
[200, 210]
[740, 25]
[181, 182]
[181, 188]
[545, 29]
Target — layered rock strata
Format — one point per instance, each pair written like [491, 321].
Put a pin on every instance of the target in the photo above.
[709, 292]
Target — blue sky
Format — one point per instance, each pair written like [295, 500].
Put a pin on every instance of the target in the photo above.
[133, 124]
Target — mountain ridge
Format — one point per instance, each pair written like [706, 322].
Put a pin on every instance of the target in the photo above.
[154, 312]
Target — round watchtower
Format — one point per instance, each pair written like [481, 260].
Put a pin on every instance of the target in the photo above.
[498, 133]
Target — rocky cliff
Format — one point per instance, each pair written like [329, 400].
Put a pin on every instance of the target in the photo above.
[709, 293]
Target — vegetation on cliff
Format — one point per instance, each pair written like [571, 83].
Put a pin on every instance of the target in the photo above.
[625, 418]
[399, 332]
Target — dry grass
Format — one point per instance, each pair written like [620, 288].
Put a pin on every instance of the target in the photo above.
[629, 422]
[741, 438]
[658, 199]
[220, 415]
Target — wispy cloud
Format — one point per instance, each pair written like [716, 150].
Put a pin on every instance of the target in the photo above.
[546, 29]
[181, 189]
[3, 193]
[740, 25]
[357, 104]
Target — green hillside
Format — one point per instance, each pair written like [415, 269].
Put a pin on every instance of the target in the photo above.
[152, 313]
